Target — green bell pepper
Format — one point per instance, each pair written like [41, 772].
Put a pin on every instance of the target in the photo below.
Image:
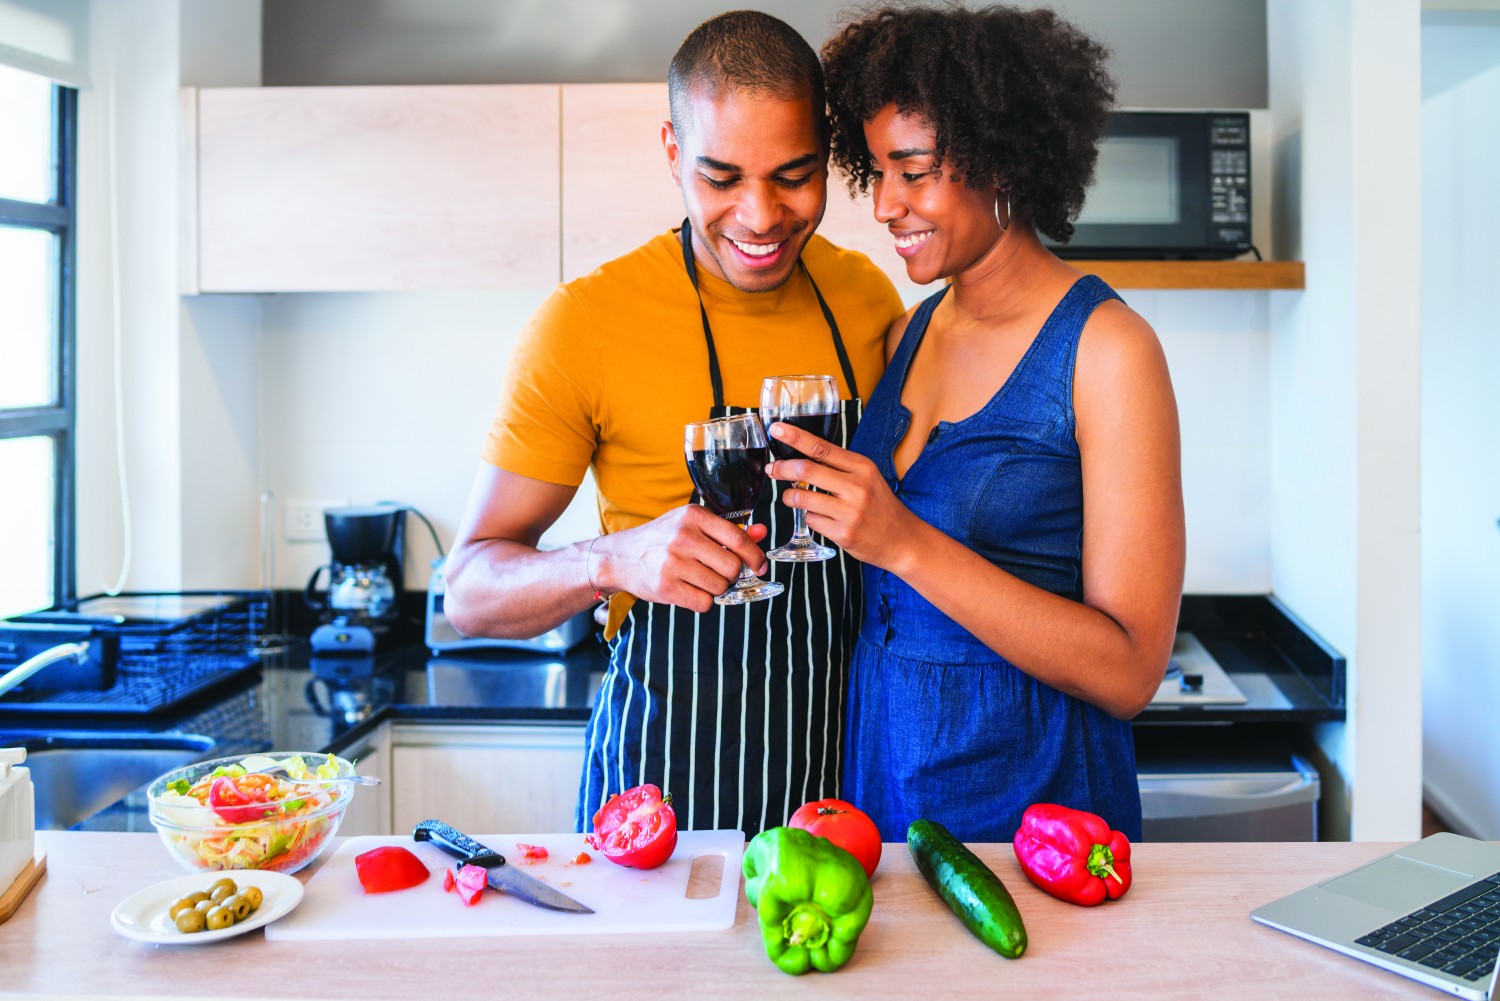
[813, 898]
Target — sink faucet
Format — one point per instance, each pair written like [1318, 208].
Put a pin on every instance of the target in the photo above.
[77, 652]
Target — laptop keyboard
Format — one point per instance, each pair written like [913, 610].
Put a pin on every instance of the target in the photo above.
[1459, 935]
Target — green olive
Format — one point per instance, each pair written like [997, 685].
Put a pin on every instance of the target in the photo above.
[239, 905]
[183, 904]
[253, 896]
[193, 898]
[222, 893]
[204, 906]
[226, 881]
[220, 917]
[191, 920]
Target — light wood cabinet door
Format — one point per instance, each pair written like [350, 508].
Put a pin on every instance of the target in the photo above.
[369, 811]
[367, 188]
[485, 779]
[618, 192]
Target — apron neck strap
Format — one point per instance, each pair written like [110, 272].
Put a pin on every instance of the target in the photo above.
[715, 375]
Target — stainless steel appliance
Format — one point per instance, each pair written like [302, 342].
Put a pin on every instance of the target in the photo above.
[1169, 184]
[1194, 678]
[443, 638]
[1229, 798]
[361, 603]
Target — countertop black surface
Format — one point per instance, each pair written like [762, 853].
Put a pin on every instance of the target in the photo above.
[293, 701]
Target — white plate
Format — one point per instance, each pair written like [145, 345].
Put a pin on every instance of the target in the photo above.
[143, 915]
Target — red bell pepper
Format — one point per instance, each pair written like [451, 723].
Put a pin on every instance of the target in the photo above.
[1072, 854]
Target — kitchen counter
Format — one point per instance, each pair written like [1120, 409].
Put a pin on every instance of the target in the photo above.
[295, 701]
[1183, 931]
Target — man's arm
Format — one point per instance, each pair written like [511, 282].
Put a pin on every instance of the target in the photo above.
[500, 585]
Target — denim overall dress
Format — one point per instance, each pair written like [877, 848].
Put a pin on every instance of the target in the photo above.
[939, 725]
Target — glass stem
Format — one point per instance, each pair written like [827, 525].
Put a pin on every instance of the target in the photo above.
[746, 578]
[799, 521]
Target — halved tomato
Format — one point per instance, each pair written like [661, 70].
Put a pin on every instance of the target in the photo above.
[636, 828]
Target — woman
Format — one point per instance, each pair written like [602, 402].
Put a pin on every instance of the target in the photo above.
[1007, 638]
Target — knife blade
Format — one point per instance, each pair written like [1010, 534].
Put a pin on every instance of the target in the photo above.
[499, 874]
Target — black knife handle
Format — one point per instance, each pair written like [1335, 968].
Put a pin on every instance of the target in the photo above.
[453, 842]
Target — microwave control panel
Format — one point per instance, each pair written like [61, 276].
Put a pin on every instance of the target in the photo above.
[1229, 179]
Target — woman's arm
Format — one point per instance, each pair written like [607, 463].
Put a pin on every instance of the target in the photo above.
[1111, 648]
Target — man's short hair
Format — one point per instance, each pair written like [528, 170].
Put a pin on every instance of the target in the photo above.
[749, 50]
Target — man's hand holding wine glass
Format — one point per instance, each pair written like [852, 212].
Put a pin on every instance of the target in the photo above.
[685, 557]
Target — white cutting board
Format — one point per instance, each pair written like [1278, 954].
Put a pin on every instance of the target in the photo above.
[624, 900]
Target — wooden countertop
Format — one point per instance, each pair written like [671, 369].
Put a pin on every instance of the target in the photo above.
[1182, 931]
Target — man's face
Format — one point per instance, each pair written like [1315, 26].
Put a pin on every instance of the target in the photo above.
[754, 179]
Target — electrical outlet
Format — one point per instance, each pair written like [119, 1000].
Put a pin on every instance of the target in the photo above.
[304, 520]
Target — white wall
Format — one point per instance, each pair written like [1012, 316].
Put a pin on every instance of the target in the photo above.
[1345, 380]
[1461, 423]
[387, 397]
[182, 514]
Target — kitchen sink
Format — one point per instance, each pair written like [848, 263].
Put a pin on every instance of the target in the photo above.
[75, 775]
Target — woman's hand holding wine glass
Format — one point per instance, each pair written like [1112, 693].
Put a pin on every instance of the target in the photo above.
[853, 507]
[811, 403]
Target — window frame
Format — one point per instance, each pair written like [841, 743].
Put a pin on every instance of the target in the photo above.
[59, 421]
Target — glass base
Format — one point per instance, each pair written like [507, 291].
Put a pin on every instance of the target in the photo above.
[802, 551]
[753, 590]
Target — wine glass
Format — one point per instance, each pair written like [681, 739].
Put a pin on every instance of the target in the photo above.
[809, 402]
[726, 457]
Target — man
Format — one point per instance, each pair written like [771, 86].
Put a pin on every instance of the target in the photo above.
[735, 711]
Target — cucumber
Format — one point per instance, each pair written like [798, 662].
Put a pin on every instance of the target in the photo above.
[968, 886]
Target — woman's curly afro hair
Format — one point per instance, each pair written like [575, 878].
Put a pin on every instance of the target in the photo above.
[1018, 99]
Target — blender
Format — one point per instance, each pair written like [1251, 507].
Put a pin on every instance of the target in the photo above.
[360, 606]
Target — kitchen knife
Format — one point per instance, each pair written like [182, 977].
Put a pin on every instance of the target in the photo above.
[500, 875]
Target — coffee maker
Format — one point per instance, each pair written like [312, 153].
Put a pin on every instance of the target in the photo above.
[362, 603]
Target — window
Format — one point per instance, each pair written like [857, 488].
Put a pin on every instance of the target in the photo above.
[38, 132]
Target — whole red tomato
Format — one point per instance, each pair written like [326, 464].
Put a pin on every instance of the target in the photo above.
[844, 825]
[636, 828]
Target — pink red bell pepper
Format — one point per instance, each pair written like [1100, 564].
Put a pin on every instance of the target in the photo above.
[1073, 854]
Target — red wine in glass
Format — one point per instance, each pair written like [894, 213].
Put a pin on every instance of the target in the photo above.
[726, 458]
[809, 402]
[825, 426]
[730, 480]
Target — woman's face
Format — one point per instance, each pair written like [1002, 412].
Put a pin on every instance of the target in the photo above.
[941, 225]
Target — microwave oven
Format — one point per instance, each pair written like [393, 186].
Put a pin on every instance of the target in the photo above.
[1169, 185]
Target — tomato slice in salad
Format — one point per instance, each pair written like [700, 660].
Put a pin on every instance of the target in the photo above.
[238, 805]
[636, 828]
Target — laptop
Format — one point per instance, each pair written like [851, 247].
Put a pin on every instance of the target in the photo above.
[1429, 911]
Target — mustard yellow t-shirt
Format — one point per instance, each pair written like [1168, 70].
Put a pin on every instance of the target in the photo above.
[613, 364]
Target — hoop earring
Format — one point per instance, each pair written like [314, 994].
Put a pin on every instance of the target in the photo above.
[1006, 224]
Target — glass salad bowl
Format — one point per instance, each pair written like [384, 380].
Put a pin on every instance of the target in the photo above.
[229, 813]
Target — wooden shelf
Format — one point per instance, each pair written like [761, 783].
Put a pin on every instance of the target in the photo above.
[1197, 274]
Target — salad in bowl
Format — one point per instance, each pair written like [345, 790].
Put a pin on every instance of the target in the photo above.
[265, 811]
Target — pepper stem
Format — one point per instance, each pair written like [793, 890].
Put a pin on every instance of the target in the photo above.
[806, 926]
[1102, 862]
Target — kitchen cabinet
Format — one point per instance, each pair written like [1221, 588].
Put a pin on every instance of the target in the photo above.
[363, 188]
[514, 778]
[370, 810]
[299, 189]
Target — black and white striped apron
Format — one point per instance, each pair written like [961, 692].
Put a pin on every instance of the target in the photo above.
[738, 712]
